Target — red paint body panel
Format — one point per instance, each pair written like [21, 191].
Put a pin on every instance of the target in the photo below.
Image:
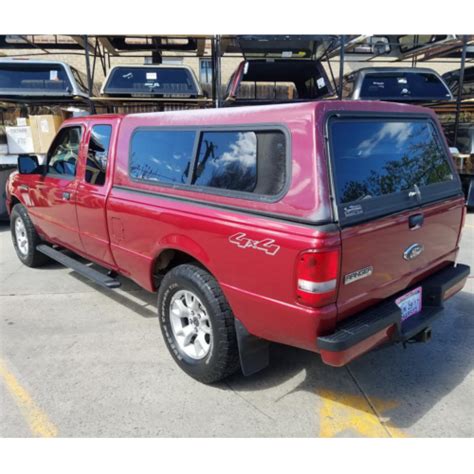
[125, 225]
[91, 202]
[381, 243]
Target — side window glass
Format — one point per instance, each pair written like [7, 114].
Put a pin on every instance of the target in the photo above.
[248, 161]
[227, 160]
[97, 154]
[161, 155]
[64, 152]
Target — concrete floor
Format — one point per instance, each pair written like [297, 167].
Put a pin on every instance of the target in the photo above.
[77, 361]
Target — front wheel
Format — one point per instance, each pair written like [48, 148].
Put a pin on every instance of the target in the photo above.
[25, 238]
[197, 324]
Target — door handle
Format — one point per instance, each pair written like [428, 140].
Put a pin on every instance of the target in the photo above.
[415, 221]
[66, 195]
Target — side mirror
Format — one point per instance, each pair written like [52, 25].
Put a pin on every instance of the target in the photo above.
[28, 164]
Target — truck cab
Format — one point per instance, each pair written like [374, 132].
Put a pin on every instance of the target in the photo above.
[67, 201]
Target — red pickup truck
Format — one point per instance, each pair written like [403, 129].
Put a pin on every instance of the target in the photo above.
[331, 226]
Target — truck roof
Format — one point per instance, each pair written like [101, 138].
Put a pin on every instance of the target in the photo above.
[274, 113]
[95, 117]
[269, 114]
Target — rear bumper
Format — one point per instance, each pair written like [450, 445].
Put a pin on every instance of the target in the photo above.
[382, 323]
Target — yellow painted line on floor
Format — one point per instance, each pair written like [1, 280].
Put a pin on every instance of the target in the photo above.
[352, 414]
[36, 418]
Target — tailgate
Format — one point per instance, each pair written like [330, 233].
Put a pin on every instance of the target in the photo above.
[399, 205]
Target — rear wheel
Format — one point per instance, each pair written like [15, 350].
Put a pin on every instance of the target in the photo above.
[25, 238]
[197, 324]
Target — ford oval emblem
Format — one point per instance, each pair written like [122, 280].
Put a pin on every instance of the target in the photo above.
[413, 251]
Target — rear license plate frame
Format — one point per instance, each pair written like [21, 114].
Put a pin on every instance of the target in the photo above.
[410, 303]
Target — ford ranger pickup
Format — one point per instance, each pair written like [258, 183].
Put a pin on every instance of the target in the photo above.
[331, 226]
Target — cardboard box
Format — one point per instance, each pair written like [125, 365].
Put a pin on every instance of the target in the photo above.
[20, 140]
[44, 129]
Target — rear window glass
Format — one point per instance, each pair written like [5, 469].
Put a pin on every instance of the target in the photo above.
[267, 90]
[162, 156]
[280, 80]
[373, 158]
[404, 86]
[151, 81]
[33, 78]
[248, 161]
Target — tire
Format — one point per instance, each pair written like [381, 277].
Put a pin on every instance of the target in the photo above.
[208, 314]
[25, 238]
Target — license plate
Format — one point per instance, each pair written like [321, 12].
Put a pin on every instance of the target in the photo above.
[410, 303]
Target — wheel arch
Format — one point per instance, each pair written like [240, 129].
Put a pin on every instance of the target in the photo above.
[13, 202]
[176, 250]
[253, 351]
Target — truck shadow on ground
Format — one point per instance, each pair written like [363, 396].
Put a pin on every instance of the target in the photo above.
[130, 295]
[411, 380]
[408, 381]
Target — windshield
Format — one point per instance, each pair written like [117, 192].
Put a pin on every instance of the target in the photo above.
[21, 79]
[174, 81]
[404, 86]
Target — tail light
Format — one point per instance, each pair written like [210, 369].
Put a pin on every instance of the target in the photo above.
[317, 277]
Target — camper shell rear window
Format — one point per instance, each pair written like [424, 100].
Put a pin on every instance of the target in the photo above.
[403, 86]
[24, 79]
[382, 165]
[161, 81]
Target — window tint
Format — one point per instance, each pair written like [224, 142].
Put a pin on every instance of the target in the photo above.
[151, 80]
[378, 157]
[249, 161]
[163, 156]
[62, 157]
[97, 154]
[33, 78]
[406, 86]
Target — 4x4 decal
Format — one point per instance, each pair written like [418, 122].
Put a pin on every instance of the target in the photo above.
[266, 245]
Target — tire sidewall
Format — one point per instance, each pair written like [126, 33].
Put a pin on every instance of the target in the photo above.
[20, 214]
[171, 284]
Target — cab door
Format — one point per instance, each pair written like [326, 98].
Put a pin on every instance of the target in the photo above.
[94, 181]
[53, 197]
